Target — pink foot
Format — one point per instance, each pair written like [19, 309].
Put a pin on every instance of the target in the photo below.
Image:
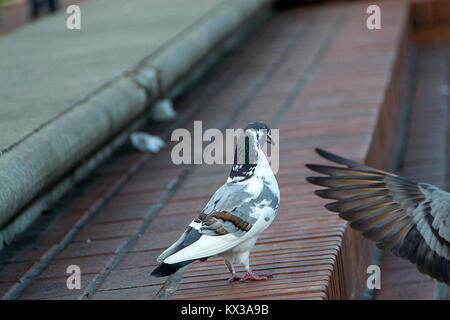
[251, 276]
[234, 278]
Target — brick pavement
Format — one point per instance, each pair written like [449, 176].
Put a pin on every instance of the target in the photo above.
[320, 76]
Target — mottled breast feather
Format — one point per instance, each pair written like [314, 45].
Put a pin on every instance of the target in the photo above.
[234, 210]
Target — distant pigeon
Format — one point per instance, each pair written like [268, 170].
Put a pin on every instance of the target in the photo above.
[235, 216]
[163, 111]
[410, 219]
[146, 142]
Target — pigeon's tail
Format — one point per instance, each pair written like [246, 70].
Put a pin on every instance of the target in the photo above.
[166, 269]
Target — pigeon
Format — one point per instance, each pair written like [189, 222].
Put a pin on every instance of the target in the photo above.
[410, 219]
[235, 216]
[163, 111]
[146, 142]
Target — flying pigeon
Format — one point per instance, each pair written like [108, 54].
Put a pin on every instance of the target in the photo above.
[235, 216]
[411, 219]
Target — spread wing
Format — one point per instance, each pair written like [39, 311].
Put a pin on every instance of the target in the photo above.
[410, 219]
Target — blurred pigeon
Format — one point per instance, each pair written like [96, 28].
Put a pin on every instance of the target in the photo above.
[163, 111]
[235, 216]
[411, 219]
[146, 142]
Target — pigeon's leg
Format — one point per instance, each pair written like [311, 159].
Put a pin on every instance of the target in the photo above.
[230, 267]
[250, 275]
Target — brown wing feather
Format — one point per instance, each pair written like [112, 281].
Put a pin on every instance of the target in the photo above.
[386, 208]
[221, 223]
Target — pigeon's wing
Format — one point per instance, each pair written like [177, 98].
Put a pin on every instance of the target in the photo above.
[223, 223]
[182, 242]
[410, 219]
[219, 230]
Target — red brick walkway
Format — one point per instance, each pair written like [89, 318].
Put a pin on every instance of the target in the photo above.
[319, 75]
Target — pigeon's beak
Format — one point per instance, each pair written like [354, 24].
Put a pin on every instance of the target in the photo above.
[269, 139]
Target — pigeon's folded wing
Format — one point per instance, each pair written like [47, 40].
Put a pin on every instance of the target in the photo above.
[410, 219]
[208, 235]
[203, 248]
[222, 224]
[204, 237]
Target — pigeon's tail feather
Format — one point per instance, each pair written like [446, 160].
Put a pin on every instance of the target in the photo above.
[166, 269]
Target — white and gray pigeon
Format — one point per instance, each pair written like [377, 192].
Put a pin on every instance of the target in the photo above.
[235, 216]
[411, 219]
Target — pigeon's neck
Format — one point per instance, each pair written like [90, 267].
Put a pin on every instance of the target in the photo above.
[264, 172]
[248, 156]
[242, 172]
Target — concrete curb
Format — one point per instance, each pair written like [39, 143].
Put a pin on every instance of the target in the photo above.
[34, 166]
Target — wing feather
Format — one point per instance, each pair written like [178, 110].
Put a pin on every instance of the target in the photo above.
[408, 218]
[205, 246]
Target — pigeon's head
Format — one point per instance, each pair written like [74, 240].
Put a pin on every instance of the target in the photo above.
[259, 129]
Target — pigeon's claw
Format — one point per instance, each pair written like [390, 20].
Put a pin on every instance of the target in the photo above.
[234, 278]
[251, 276]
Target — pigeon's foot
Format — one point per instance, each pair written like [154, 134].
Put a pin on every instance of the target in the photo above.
[251, 276]
[234, 278]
